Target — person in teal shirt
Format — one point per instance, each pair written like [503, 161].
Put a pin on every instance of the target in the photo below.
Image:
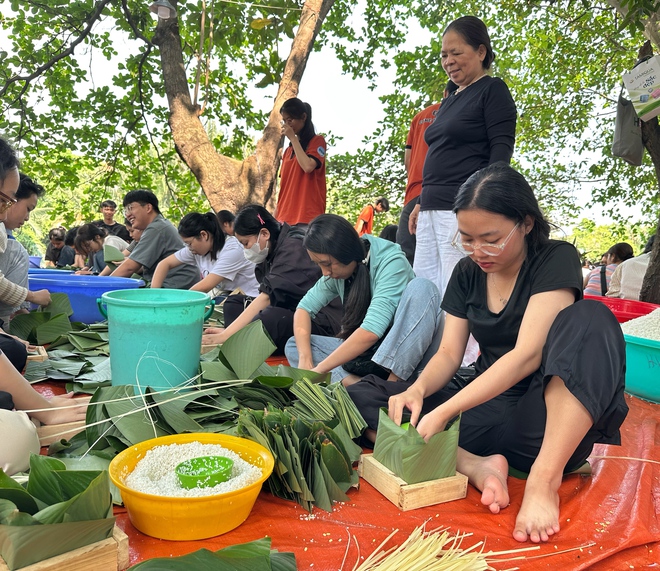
[390, 317]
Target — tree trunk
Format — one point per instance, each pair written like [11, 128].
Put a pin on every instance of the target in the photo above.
[229, 183]
[651, 138]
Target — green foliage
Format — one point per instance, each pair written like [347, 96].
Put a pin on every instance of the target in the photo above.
[90, 140]
[593, 240]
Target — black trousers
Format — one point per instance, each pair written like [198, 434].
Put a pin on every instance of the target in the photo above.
[405, 239]
[15, 350]
[278, 321]
[585, 348]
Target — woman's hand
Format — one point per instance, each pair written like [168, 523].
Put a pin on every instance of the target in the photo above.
[213, 330]
[83, 271]
[432, 423]
[41, 297]
[306, 363]
[213, 336]
[412, 220]
[64, 410]
[287, 131]
[412, 399]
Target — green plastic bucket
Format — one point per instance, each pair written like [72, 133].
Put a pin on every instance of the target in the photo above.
[155, 335]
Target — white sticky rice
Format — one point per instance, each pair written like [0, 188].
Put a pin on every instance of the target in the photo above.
[155, 473]
[646, 326]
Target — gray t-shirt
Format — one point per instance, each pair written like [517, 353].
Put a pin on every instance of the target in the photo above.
[14, 263]
[159, 240]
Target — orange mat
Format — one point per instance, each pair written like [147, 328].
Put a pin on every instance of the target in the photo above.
[615, 509]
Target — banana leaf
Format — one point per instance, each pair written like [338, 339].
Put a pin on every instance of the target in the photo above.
[112, 254]
[21, 546]
[253, 556]
[59, 303]
[248, 348]
[36, 370]
[24, 325]
[50, 330]
[412, 459]
[216, 371]
[74, 509]
[173, 412]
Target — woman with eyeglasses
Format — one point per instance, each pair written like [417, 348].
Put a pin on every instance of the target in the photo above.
[218, 257]
[302, 174]
[19, 434]
[11, 293]
[284, 272]
[89, 241]
[550, 377]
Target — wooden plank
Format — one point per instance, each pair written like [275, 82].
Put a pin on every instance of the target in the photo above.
[108, 555]
[40, 355]
[411, 496]
[123, 560]
[207, 348]
[49, 433]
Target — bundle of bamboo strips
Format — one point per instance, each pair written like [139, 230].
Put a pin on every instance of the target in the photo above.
[435, 550]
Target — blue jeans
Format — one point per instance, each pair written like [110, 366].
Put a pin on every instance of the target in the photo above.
[410, 343]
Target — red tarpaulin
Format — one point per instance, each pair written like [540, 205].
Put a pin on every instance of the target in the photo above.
[615, 509]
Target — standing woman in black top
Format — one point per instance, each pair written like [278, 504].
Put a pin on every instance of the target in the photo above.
[475, 127]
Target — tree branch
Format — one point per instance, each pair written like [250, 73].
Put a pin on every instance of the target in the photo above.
[50, 63]
[131, 23]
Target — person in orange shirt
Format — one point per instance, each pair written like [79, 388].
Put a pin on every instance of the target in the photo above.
[365, 222]
[413, 160]
[302, 174]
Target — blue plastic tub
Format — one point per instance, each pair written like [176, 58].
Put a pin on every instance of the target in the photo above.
[83, 291]
[643, 368]
[35, 261]
[48, 272]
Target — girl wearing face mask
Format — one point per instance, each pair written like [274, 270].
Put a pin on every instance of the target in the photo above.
[284, 272]
[219, 258]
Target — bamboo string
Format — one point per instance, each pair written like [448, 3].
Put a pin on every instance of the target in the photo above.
[436, 550]
[208, 386]
[624, 458]
[202, 391]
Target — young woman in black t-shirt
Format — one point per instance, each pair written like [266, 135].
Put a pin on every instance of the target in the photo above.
[550, 377]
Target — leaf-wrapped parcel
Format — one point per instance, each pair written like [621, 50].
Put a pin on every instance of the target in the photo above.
[412, 459]
[58, 511]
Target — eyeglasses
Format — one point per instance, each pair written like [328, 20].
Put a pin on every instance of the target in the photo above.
[487, 248]
[128, 209]
[6, 202]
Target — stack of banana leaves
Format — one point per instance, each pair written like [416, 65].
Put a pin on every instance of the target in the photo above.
[57, 510]
[305, 422]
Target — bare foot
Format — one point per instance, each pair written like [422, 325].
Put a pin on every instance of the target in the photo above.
[538, 518]
[487, 475]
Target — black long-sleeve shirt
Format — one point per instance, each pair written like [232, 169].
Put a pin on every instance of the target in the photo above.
[473, 128]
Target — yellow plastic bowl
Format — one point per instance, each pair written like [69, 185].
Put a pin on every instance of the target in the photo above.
[183, 519]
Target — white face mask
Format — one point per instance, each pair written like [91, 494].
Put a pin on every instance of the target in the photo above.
[255, 253]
